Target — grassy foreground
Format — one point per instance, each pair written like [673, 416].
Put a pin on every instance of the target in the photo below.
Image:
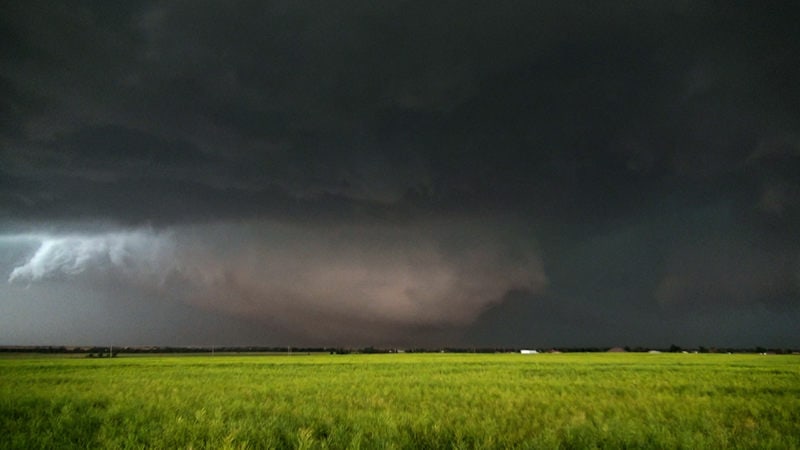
[402, 401]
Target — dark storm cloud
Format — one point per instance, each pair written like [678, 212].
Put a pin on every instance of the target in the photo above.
[684, 274]
[651, 150]
[367, 101]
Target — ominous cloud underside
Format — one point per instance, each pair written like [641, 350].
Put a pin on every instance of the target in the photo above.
[400, 173]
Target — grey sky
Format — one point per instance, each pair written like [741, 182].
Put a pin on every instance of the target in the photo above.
[400, 173]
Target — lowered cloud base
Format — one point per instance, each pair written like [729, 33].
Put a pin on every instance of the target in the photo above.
[323, 282]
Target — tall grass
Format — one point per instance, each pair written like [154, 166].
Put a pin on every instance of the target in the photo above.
[402, 401]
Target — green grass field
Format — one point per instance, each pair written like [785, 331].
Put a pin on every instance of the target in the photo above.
[402, 401]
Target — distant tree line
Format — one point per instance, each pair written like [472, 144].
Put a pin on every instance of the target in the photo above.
[102, 352]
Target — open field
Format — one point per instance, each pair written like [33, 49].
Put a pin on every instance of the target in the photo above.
[402, 401]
